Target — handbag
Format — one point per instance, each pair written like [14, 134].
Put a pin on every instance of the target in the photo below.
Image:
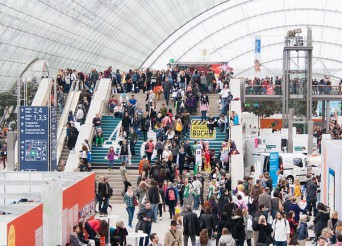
[179, 127]
[249, 225]
[281, 207]
[135, 202]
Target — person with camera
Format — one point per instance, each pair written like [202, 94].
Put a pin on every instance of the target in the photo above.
[311, 196]
[265, 230]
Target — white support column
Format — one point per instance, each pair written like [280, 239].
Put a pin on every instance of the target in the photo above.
[237, 164]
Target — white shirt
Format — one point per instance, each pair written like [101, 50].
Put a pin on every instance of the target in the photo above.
[279, 229]
[224, 93]
[79, 114]
[197, 186]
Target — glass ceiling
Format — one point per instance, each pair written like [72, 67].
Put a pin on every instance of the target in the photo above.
[82, 34]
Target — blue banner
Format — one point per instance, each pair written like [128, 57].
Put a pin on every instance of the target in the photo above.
[274, 167]
[257, 45]
[34, 138]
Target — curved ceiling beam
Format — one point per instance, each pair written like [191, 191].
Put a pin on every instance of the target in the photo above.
[281, 43]
[280, 59]
[256, 32]
[175, 31]
[236, 22]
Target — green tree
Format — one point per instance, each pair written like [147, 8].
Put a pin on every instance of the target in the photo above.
[263, 109]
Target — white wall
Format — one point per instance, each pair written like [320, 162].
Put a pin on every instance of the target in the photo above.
[3, 233]
[332, 158]
[237, 163]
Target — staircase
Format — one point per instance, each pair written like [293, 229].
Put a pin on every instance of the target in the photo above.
[109, 124]
[99, 153]
[114, 179]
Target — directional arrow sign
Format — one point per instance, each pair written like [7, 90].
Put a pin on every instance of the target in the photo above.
[22, 131]
[22, 110]
[22, 157]
[22, 147]
[22, 152]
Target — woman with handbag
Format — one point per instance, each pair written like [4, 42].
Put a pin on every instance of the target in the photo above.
[130, 201]
[293, 227]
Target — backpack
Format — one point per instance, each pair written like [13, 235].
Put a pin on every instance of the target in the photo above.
[172, 196]
[146, 166]
[147, 123]
[159, 146]
[147, 146]
[240, 205]
[156, 171]
[179, 94]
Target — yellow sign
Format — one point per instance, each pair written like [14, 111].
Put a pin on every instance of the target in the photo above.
[11, 236]
[199, 130]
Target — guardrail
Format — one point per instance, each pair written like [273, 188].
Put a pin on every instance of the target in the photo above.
[70, 104]
[98, 104]
[294, 89]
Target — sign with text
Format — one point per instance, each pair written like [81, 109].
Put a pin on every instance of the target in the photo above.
[199, 130]
[274, 166]
[34, 138]
[53, 140]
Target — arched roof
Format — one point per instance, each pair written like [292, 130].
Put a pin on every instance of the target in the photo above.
[126, 34]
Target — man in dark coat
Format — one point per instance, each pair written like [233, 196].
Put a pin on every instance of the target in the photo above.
[145, 217]
[190, 225]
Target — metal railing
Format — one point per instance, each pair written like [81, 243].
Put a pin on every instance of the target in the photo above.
[297, 89]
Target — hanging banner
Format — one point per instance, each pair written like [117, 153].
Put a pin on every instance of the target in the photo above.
[257, 55]
[274, 166]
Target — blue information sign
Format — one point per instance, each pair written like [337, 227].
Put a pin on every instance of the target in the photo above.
[53, 140]
[274, 167]
[34, 138]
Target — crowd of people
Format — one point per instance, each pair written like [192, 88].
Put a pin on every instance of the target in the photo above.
[253, 212]
[273, 86]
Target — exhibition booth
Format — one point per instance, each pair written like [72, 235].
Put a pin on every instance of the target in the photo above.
[44, 204]
[331, 173]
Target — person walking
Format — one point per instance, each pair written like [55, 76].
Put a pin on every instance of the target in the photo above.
[124, 176]
[173, 235]
[145, 217]
[206, 221]
[104, 195]
[204, 108]
[130, 207]
[238, 228]
[171, 198]
[303, 233]
[132, 138]
[110, 157]
[154, 198]
[281, 230]
[265, 230]
[149, 147]
[196, 192]
[190, 225]
[321, 219]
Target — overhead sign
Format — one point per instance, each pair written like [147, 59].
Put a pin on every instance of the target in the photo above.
[53, 140]
[34, 138]
[274, 166]
[172, 60]
[199, 130]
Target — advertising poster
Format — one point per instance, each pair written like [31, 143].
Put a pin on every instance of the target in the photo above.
[274, 166]
[331, 189]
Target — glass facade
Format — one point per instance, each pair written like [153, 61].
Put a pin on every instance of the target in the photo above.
[82, 34]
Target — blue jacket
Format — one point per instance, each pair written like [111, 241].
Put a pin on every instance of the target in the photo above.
[303, 231]
[296, 209]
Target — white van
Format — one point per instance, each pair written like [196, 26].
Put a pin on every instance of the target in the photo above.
[291, 165]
